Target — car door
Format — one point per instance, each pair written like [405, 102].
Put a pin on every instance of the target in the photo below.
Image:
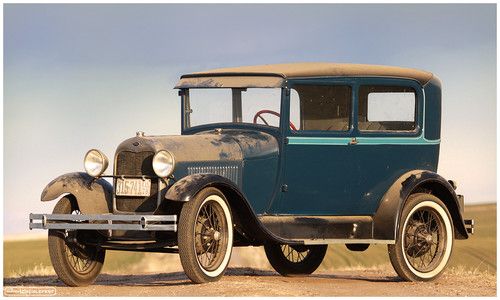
[317, 159]
[389, 138]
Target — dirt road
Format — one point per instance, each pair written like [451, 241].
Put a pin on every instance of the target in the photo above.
[254, 282]
[249, 274]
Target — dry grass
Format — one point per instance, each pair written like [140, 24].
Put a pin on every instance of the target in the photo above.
[466, 271]
[38, 270]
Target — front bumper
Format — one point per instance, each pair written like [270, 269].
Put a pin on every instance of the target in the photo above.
[104, 222]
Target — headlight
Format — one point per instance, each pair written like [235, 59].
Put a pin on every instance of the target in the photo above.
[95, 162]
[163, 163]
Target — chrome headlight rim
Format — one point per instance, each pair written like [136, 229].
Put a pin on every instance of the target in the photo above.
[100, 159]
[162, 172]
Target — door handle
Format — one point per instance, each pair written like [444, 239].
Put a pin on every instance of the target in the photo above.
[353, 141]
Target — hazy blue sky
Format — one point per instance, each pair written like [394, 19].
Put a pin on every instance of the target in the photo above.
[81, 76]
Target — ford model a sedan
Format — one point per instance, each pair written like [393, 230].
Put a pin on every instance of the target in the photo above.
[292, 157]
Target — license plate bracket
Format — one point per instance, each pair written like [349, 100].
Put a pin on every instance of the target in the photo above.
[138, 187]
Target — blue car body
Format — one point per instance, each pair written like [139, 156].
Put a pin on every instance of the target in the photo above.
[285, 185]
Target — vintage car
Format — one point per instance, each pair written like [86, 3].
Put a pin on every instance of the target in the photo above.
[291, 157]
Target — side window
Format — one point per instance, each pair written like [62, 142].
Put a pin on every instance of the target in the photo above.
[387, 108]
[320, 107]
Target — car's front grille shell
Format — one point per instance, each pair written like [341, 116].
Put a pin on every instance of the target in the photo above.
[137, 164]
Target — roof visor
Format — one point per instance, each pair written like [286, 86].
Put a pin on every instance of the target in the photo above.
[231, 82]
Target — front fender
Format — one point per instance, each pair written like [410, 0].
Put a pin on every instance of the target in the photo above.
[94, 196]
[186, 188]
[386, 219]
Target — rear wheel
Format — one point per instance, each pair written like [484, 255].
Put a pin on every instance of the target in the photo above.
[289, 260]
[75, 264]
[205, 236]
[425, 239]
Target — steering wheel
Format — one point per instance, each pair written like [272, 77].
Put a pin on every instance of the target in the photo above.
[272, 112]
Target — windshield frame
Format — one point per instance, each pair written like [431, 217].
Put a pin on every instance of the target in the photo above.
[186, 111]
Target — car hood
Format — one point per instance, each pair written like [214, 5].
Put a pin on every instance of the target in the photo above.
[228, 145]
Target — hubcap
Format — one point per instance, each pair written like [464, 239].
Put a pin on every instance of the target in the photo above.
[216, 235]
[428, 239]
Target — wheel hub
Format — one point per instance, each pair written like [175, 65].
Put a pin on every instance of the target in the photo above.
[207, 236]
[419, 238]
[428, 239]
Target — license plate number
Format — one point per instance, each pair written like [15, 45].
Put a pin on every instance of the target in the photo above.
[133, 187]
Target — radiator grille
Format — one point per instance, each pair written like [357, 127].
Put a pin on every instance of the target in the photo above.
[131, 163]
[230, 172]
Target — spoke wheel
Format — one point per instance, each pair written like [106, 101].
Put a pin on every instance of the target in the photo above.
[425, 239]
[205, 236]
[210, 235]
[76, 264]
[77, 255]
[424, 243]
[295, 254]
[290, 260]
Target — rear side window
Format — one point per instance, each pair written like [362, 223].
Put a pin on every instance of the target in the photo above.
[387, 108]
[320, 107]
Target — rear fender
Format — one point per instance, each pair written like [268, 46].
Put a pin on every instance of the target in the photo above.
[386, 220]
[94, 196]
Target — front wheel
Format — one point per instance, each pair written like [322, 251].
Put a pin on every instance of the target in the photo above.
[75, 264]
[205, 236]
[425, 239]
[290, 260]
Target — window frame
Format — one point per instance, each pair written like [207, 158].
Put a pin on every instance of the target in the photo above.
[321, 81]
[397, 82]
[355, 83]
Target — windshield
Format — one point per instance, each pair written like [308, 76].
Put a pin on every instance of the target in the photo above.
[219, 105]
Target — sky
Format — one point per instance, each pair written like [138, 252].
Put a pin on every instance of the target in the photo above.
[82, 76]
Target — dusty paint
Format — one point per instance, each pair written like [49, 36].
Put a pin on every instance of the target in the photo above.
[181, 189]
[186, 148]
[230, 145]
[94, 196]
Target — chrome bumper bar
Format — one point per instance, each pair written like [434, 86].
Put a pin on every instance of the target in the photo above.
[104, 222]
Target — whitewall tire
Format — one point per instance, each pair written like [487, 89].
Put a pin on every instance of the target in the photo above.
[424, 239]
[205, 236]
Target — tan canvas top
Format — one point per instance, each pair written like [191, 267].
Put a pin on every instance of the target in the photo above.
[275, 75]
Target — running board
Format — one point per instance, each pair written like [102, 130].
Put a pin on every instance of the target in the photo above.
[357, 229]
[103, 222]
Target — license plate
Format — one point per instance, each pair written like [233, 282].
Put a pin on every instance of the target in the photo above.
[133, 187]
